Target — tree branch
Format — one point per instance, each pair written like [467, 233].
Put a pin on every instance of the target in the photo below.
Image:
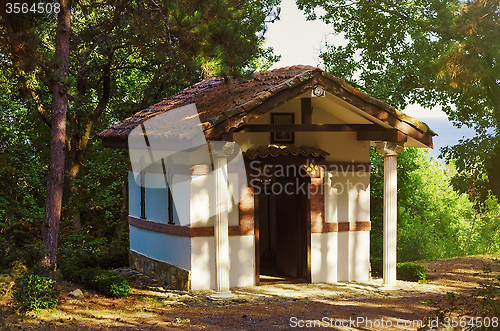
[149, 89]
[101, 105]
[17, 51]
[398, 12]
[36, 97]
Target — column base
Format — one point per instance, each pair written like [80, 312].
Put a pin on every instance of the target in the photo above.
[388, 287]
[221, 296]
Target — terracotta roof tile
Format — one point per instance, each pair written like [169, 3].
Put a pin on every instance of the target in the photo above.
[224, 104]
[274, 151]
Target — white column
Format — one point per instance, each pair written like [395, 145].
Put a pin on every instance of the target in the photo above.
[220, 151]
[390, 152]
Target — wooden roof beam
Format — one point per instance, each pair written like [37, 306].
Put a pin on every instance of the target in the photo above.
[392, 135]
[308, 127]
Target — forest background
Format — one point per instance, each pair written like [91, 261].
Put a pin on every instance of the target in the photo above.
[121, 60]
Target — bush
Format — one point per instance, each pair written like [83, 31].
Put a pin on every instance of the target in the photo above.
[377, 266]
[112, 285]
[35, 292]
[90, 252]
[411, 271]
[83, 259]
[104, 281]
[404, 271]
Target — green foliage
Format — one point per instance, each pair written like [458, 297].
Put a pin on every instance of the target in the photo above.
[104, 281]
[35, 292]
[82, 258]
[264, 59]
[377, 266]
[434, 220]
[430, 212]
[484, 233]
[429, 52]
[124, 56]
[111, 284]
[23, 153]
[85, 251]
[410, 271]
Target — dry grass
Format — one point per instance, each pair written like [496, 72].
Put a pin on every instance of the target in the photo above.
[254, 308]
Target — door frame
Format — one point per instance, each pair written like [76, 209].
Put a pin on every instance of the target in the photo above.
[306, 204]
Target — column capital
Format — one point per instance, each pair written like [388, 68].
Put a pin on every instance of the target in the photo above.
[387, 148]
[222, 148]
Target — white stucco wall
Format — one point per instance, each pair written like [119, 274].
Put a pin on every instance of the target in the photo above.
[353, 256]
[181, 194]
[241, 262]
[359, 198]
[324, 257]
[330, 110]
[203, 263]
[202, 200]
[347, 199]
[359, 256]
[336, 256]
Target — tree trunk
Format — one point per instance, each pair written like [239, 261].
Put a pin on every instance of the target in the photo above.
[53, 202]
[123, 226]
[493, 170]
[73, 193]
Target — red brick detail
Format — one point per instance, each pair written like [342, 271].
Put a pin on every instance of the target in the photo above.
[341, 227]
[175, 230]
[200, 169]
[317, 201]
[247, 214]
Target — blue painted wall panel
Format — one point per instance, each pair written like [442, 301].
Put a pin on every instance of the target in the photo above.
[175, 250]
[156, 198]
[134, 196]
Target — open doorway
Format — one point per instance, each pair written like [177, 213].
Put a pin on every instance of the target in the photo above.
[283, 238]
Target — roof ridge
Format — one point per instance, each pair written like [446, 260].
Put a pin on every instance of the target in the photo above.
[298, 66]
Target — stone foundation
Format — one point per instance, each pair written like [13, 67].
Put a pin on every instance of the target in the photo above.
[165, 273]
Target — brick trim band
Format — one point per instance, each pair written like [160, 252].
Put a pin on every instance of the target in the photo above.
[207, 231]
[186, 231]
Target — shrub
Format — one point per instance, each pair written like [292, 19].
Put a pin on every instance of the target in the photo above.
[82, 260]
[90, 252]
[35, 292]
[411, 271]
[404, 271]
[377, 266]
[104, 281]
[112, 284]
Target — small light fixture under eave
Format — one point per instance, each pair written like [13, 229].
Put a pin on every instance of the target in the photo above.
[318, 91]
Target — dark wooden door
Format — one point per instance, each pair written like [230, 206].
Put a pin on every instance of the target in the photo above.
[292, 229]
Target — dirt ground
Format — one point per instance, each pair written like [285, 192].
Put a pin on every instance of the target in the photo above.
[356, 306]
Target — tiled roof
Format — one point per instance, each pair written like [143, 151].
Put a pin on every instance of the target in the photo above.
[225, 105]
[274, 151]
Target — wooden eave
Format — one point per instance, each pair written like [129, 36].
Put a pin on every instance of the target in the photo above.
[371, 106]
